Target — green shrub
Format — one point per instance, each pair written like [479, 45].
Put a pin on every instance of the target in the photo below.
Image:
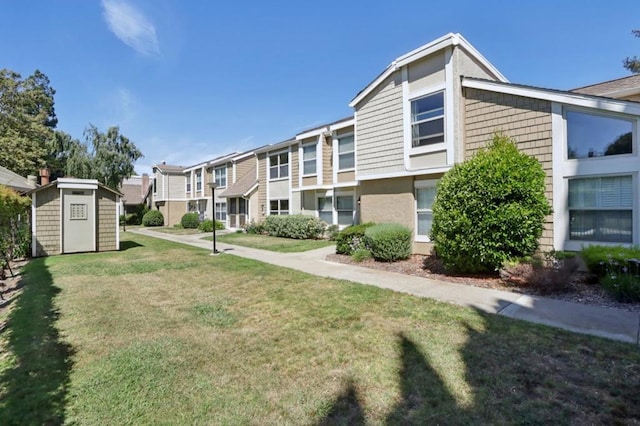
[490, 208]
[254, 227]
[296, 226]
[14, 227]
[598, 257]
[332, 232]
[623, 282]
[153, 218]
[190, 220]
[361, 254]
[207, 225]
[351, 238]
[388, 242]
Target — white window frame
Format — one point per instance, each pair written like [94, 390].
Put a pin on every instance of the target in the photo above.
[188, 183]
[198, 178]
[313, 145]
[331, 209]
[215, 176]
[280, 211]
[339, 137]
[438, 117]
[336, 215]
[409, 97]
[279, 165]
[221, 211]
[420, 184]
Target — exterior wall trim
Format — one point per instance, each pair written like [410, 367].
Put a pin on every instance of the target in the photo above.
[34, 238]
[403, 174]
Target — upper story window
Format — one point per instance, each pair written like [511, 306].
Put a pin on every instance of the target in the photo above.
[590, 135]
[427, 120]
[279, 166]
[220, 176]
[309, 166]
[155, 187]
[188, 186]
[199, 180]
[346, 152]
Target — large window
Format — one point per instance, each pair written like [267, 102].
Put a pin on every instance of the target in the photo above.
[425, 197]
[279, 207]
[427, 120]
[220, 176]
[346, 152]
[601, 209]
[199, 180]
[309, 160]
[344, 206]
[188, 189]
[221, 211]
[590, 135]
[279, 166]
[325, 209]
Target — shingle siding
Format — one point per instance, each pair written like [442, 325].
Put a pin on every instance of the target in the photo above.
[48, 221]
[107, 226]
[527, 120]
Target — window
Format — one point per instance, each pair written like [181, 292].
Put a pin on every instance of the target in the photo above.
[325, 209]
[279, 207]
[344, 206]
[242, 206]
[590, 135]
[78, 212]
[188, 189]
[424, 204]
[427, 120]
[220, 176]
[601, 209]
[199, 180]
[155, 188]
[221, 211]
[309, 160]
[279, 166]
[346, 152]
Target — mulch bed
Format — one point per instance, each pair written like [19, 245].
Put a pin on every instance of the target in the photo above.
[579, 289]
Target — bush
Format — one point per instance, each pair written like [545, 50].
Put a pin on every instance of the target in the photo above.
[296, 226]
[351, 238]
[361, 254]
[489, 209]
[388, 242]
[14, 227]
[597, 258]
[618, 269]
[254, 227]
[153, 218]
[207, 225]
[190, 220]
[332, 232]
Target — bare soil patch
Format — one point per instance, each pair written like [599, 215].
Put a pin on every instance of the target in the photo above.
[580, 288]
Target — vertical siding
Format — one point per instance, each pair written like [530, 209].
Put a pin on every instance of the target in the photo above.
[106, 222]
[176, 186]
[380, 138]
[526, 120]
[327, 160]
[294, 166]
[262, 188]
[48, 221]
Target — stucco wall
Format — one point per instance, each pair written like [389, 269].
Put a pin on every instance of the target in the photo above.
[48, 221]
[527, 120]
[106, 225]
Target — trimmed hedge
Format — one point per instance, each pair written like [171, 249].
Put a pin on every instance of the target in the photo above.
[351, 238]
[190, 220]
[295, 226]
[597, 257]
[388, 242]
[153, 218]
[618, 269]
[490, 209]
[207, 225]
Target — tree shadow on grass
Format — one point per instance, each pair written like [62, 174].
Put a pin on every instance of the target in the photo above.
[34, 388]
[129, 244]
[346, 409]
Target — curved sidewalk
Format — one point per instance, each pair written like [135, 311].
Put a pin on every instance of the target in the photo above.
[616, 324]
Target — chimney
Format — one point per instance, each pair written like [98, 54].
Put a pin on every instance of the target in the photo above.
[145, 183]
[33, 181]
[44, 176]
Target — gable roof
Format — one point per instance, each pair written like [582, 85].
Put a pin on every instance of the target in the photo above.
[243, 186]
[14, 180]
[74, 183]
[167, 168]
[625, 86]
[430, 48]
[553, 95]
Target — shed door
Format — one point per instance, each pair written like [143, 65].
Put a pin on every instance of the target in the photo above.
[78, 220]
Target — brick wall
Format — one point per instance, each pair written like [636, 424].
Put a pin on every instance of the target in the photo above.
[527, 120]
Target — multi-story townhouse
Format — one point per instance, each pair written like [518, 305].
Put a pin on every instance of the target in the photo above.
[238, 181]
[169, 192]
[275, 191]
[435, 106]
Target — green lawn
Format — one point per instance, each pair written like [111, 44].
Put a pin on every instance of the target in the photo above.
[163, 333]
[265, 242]
[176, 231]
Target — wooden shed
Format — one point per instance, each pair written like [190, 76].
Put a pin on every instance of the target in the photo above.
[72, 216]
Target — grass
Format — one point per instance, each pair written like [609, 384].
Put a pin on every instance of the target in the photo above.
[176, 231]
[164, 333]
[265, 242]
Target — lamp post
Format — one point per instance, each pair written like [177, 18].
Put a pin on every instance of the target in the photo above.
[213, 186]
[124, 215]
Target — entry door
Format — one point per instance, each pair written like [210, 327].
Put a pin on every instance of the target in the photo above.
[78, 218]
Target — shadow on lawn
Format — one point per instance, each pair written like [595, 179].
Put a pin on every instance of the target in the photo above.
[536, 376]
[129, 244]
[35, 386]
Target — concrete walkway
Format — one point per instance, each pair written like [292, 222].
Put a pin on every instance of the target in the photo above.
[616, 324]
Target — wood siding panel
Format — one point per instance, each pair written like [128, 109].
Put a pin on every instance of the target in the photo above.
[244, 166]
[106, 226]
[48, 221]
[527, 120]
[262, 188]
[327, 160]
[294, 166]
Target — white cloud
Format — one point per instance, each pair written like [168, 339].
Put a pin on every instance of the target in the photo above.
[131, 26]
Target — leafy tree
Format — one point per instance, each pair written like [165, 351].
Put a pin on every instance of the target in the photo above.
[490, 208]
[14, 226]
[27, 120]
[632, 64]
[622, 145]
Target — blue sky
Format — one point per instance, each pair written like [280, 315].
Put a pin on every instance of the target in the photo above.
[188, 80]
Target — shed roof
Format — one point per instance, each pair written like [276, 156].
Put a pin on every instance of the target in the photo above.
[243, 186]
[74, 183]
[624, 86]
